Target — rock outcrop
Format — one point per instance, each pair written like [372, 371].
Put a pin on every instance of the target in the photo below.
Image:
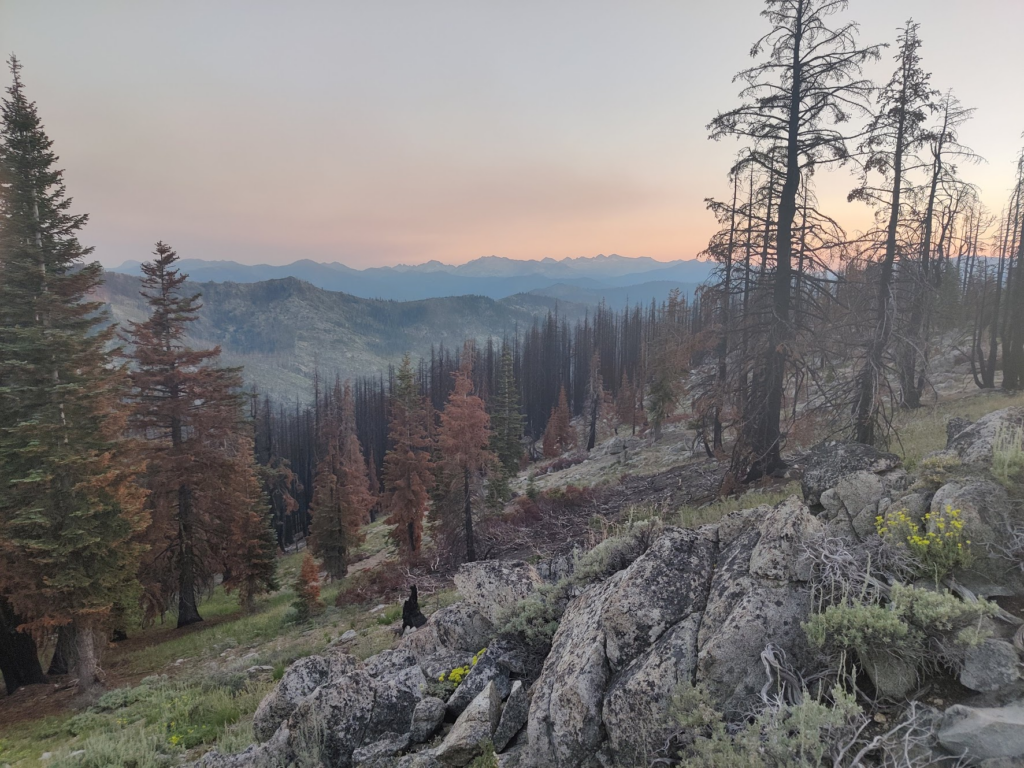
[973, 444]
[474, 726]
[494, 586]
[828, 463]
[698, 606]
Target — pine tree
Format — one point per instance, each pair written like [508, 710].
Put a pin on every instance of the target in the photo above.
[251, 557]
[341, 497]
[188, 414]
[462, 442]
[795, 102]
[559, 435]
[307, 590]
[895, 135]
[408, 469]
[68, 508]
[506, 418]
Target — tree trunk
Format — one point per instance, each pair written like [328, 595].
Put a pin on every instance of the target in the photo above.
[188, 609]
[63, 660]
[85, 658]
[468, 512]
[19, 658]
[592, 438]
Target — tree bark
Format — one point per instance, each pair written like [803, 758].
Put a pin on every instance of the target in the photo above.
[85, 658]
[468, 513]
[63, 660]
[188, 609]
[19, 658]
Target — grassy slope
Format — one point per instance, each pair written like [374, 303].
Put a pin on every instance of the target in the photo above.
[209, 692]
[177, 689]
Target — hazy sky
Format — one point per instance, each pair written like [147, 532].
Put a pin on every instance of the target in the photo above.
[380, 132]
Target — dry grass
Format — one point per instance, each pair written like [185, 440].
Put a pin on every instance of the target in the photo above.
[921, 431]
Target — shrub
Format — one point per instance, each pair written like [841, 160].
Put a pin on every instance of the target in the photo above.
[570, 497]
[1008, 454]
[939, 545]
[913, 622]
[933, 472]
[307, 590]
[487, 758]
[804, 735]
[535, 619]
[384, 582]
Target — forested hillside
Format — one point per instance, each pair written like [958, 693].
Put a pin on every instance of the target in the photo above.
[776, 523]
[281, 330]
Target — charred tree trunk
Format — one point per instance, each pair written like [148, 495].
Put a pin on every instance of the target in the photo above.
[19, 657]
[467, 511]
[63, 660]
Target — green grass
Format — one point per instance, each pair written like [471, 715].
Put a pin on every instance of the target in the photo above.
[208, 699]
[694, 517]
[921, 431]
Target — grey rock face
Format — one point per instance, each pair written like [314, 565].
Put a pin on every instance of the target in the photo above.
[458, 629]
[826, 464]
[990, 666]
[857, 498]
[492, 586]
[984, 507]
[382, 753]
[758, 596]
[697, 605]
[983, 733]
[974, 444]
[513, 716]
[272, 754]
[474, 726]
[605, 630]
[893, 677]
[488, 669]
[299, 680]
[426, 719]
[352, 712]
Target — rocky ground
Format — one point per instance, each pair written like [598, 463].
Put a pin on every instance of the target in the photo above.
[659, 611]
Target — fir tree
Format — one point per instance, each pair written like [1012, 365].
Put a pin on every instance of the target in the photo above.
[559, 436]
[506, 418]
[307, 590]
[462, 442]
[341, 497]
[252, 548]
[188, 413]
[68, 508]
[408, 470]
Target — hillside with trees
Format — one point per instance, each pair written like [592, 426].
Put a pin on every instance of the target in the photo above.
[779, 522]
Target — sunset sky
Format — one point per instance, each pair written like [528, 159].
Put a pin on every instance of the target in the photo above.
[375, 133]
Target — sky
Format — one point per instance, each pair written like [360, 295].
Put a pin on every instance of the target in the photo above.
[399, 131]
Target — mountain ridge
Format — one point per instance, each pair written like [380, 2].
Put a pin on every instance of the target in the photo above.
[495, 277]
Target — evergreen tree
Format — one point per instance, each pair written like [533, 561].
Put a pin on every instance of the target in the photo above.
[559, 436]
[795, 101]
[506, 418]
[408, 469]
[187, 411]
[463, 444]
[341, 497]
[68, 508]
[307, 590]
[252, 545]
[895, 134]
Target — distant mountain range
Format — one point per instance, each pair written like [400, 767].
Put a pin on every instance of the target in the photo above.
[280, 330]
[615, 279]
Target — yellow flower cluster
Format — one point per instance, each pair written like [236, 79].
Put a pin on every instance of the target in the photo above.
[939, 543]
[458, 674]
